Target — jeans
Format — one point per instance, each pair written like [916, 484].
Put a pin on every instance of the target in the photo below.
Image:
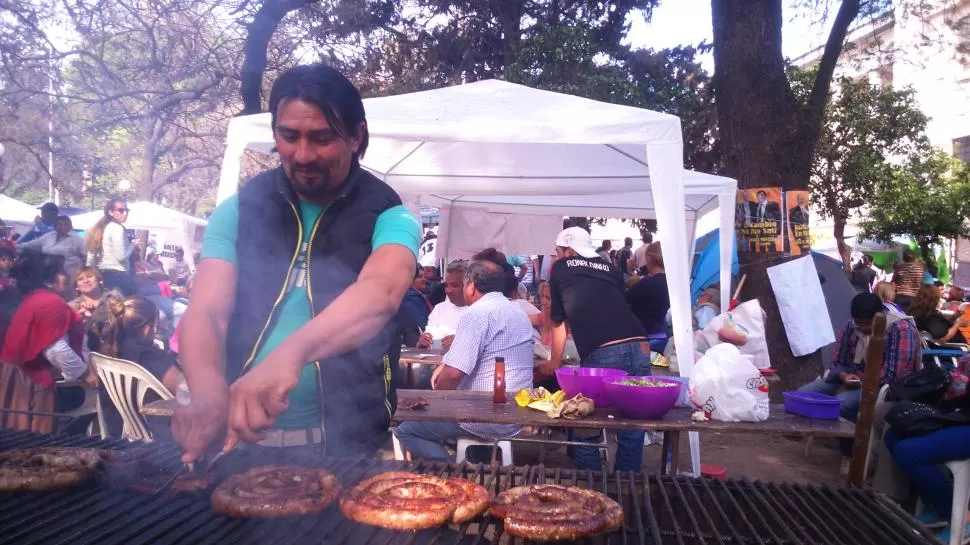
[849, 409]
[119, 280]
[425, 440]
[918, 458]
[634, 358]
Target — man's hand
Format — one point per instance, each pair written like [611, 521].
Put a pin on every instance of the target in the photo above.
[203, 421]
[850, 380]
[548, 367]
[258, 397]
[435, 375]
[446, 342]
[425, 340]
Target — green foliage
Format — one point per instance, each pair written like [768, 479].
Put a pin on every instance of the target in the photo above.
[865, 127]
[926, 197]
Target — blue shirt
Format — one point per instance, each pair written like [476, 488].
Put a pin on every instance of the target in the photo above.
[395, 225]
[39, 229]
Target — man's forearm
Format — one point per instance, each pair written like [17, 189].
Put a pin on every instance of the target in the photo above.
[558, 341]
[352, 319]
[202, 349]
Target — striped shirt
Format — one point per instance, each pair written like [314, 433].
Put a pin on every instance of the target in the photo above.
[910, 278]
[492, 326]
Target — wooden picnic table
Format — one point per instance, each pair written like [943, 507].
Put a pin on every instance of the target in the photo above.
[455, 406]
[414, 359]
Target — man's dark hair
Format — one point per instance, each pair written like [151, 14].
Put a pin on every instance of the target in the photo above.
[909, 255]
[486, 276]
[35, 270]
[865, 306]
[7, 251]
[760, 193]
[49, 208]
[330, 90]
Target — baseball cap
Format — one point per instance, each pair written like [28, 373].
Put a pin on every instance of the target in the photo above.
[579, 240]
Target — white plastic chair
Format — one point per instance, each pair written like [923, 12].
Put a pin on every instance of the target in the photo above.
[90, 406]
[961, 497]
[465, 442]
[127, 384]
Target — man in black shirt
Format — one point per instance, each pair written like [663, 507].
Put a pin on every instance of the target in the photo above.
[587, 292]
[624, 258]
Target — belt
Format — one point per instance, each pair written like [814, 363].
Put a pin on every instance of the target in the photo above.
[292, 438]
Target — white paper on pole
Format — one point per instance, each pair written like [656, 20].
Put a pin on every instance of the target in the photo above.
[802, 305]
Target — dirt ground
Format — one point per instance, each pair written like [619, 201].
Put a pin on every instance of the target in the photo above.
[754, 457]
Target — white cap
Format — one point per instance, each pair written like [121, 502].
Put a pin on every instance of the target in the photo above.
[579, 240]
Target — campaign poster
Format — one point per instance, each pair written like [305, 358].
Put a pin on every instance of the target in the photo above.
[796, 210]
[758, 220]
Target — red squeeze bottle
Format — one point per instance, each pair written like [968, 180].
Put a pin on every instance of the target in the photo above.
[498, 394]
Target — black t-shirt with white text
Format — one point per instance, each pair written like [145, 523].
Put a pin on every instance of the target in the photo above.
[588, 293]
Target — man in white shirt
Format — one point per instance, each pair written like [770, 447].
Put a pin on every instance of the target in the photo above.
[443, 320]
[640, 255]
[492, 327]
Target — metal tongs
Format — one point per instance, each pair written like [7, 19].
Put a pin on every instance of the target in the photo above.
[190, 467]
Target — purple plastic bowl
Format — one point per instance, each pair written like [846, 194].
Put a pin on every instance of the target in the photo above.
[812, 405]
[587, 381]
[643, 402]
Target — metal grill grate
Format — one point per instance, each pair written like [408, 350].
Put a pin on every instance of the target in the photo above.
[659, 510]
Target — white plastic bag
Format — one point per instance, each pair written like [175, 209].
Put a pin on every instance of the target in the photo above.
[745, 326]
[728, 387]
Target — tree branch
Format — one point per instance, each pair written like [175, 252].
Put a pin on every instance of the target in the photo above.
[830, 57]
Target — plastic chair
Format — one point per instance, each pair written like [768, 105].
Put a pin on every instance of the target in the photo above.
[127, 384]
[465, 442]
[961, 497]
[91, 406]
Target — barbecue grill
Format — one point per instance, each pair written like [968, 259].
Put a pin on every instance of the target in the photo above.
[659, 509]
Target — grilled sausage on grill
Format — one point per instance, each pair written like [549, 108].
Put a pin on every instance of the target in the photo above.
[276, 491]
[555, 512]
[399, 500]
[49, 468]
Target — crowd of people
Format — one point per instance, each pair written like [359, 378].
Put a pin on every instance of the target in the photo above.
[920, 313]
[62, 298]
[308, 285]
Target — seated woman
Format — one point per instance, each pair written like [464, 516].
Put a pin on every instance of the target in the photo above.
[128, 332]
[928, 318]
[89, 287]
[887, 293]
[919, 459]
[43, 343]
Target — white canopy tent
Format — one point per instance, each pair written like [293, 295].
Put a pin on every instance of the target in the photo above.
[506, 148]
[13, 211]
[169, 228]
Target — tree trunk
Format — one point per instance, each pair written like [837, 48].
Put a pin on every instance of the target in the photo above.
[258, 34]
[768, 137]
[845, 251]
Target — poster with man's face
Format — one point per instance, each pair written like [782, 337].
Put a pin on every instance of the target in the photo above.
[758, 220]
[796, 208]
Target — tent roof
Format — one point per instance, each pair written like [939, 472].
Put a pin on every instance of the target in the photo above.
[701, 196]
[142, 215]
[502, 112]
[470, 138]
[12, 210]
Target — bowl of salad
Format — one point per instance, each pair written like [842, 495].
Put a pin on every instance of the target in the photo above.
[587, 381]
[642, 398]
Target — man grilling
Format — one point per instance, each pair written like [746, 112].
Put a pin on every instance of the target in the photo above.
[300, 275]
